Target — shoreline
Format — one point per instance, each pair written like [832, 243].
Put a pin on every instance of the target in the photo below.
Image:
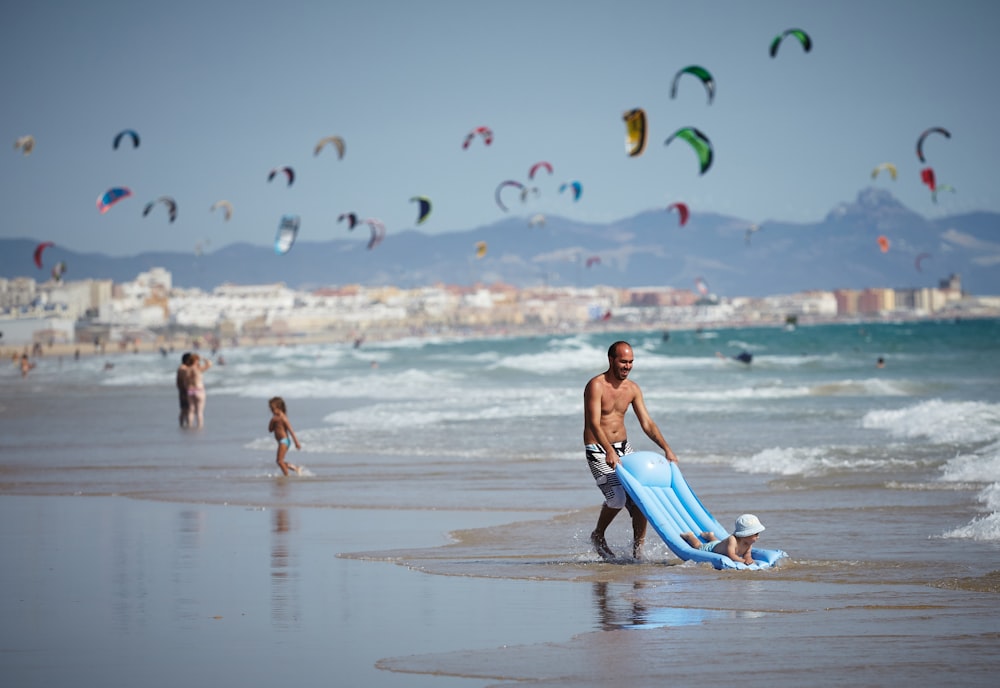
[196, 342]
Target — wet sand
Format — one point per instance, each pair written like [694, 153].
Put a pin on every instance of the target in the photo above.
[115, 591]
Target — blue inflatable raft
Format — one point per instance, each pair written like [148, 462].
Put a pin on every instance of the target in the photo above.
[663, 495]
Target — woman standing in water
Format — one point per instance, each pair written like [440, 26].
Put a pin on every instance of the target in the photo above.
[196, 390]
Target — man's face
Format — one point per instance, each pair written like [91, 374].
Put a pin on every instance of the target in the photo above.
[621, 362]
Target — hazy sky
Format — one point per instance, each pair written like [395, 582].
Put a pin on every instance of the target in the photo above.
[222, 92]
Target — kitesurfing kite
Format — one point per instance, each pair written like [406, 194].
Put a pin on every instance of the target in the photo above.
[635, 132]
[288, 171]
[700, 72]
[25, 144]
[288, 229]
[750, 232]
[577, 188]
[538, 166]
[352, 219]
[336, 141]
[941, 187]
[425, 208]
[112, 196]
[920, 139]
[509, 182]
[888, 167]
[527, 191]
[797, 33]
[920, 258]
[122, 134]
[681, 209]
[58, 270]
[537, 221]
[480, 249]
[378, 232]
[927, 177]
[227, 209]
[699, 142]
[593, 260]
[701, 285]
[39, 250]
[883, 244]
[167, 201]
[485, 132]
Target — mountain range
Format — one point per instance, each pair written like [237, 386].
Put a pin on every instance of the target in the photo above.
[734, 257]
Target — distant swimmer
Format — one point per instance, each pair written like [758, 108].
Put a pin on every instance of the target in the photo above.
[283, 433]
[606, 399]
[743, 357]
[880, 363]
[26, 365]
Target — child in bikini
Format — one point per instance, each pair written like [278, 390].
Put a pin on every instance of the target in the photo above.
[283, 432]
[737, 546]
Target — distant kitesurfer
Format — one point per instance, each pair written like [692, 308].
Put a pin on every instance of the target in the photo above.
[606, 399]
[743, 356]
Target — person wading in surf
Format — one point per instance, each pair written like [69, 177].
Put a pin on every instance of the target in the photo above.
[606, 398]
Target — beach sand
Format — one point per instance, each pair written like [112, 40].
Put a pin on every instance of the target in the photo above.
[113, 591]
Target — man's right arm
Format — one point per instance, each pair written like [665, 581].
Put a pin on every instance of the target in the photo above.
[592, 420]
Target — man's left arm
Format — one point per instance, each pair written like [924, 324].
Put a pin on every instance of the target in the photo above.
[649, 426]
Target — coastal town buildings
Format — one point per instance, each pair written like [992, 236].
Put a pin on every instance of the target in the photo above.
[149, 309]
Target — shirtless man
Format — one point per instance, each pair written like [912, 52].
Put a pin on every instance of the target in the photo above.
[183, 372]
[606, 398]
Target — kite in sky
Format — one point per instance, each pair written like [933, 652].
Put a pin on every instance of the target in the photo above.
[925, 134]
[635, 132]
[797, 33]
[425, 208]
[112, 196]
[336, 141]
[485, 132]
[227, 208]
[39, 250]
[888, 167]
[537, 166]
[699, 142]
[700, 72]
[577, 188]
[352, 219]
[122, 134]
[288, 172]
[378, 232]
[58, 270]
[167, 201]
[25, 144]
[681, 209]
[496, 194]
[288, 229]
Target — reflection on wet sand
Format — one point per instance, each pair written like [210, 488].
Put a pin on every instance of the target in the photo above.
[284, 572]
[191, 523]
[636, 615]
